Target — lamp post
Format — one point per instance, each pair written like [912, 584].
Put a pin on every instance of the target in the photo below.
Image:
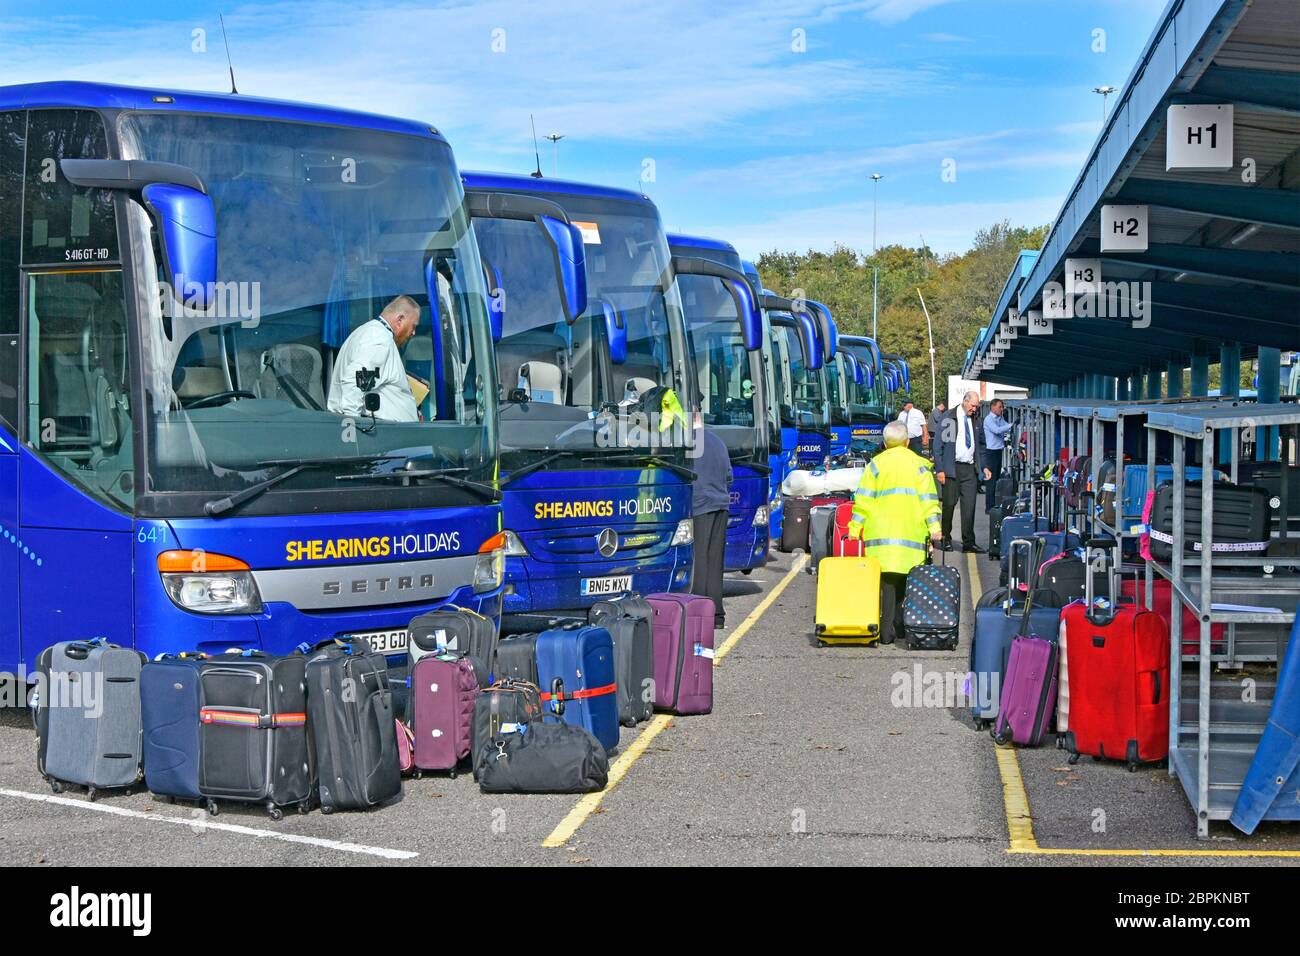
[929, 331]
[875, 270]
[555, 152]
[1105, 92]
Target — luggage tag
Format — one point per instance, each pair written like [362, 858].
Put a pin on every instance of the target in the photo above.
[702, 651]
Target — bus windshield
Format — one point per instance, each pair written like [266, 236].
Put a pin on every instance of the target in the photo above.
[728, 376]
[806, 384]
[838, 381]
[562, 385]
[319, 228]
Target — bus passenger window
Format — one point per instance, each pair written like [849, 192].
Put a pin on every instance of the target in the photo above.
[78, 394]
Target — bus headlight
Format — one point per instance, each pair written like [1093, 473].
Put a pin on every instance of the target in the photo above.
[760, 516]
[685, 533]
[209, 583]
[229, 592]
[514, 547]
[489, 570]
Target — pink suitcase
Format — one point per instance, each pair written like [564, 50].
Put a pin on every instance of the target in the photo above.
[1028, 692]
[683, 639]
[443, 690]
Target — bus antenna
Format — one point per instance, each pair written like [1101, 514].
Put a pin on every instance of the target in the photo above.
[536, 173]
[230, 65]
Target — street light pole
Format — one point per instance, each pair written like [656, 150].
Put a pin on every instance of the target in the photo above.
[875, 270]
[555, 152]
[1105, 92]
[929, 331]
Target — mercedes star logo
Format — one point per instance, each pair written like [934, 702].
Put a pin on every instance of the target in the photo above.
[607, 543]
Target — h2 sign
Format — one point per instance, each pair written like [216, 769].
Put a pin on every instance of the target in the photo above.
[1123, 228]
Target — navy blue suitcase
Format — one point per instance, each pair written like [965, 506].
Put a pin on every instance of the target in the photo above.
[169, 714]
[575, 671]
[1013, 527]
[999, 618]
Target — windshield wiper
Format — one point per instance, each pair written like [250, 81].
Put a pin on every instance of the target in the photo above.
[539, 464]
[292, 466]
[680, 470]
[442, 474]
[759, 467]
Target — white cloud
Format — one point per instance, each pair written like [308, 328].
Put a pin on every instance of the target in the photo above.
[896, 11]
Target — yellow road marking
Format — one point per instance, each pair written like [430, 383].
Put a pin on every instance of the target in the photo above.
[584, 808]
[1015, 800]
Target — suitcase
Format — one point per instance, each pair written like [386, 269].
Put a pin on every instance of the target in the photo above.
[1268, 475]
[1162, 593]
[794, 529]
[458, 629]
[352, 725]
[683, 652]
[552, 757]
[1241, 519]
[517, 658]
[1018, 526]
[842, 545]
[169, 712]
[629, 622]
[1029, 692]
[821, 534]
[1119, 681]
[1064, 576]
[1062, 682]
[575, 669]
[1282, 548]
[998, 619]
[88, 715]
[1135, 484]
[996, 516]
[848, 601]
[932, 607]
[406, 745]
[504, 708]
[444, 691]
[253, 744]
[1004, 491]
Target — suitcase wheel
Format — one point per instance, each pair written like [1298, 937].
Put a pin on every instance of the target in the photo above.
[820, 643]
[91, 794]
[1132, 767]
[326, 809]
[213, 809]
[1073, 759]
[56, 787]
[999, 738]
[1060, 741]
[452, 776]
[302, 809]
[274, 812]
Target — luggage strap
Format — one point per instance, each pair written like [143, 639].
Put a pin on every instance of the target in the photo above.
[234, 718]
[582, 693]
[1218, 546]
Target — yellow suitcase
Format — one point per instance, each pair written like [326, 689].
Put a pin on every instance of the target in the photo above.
[848, 601]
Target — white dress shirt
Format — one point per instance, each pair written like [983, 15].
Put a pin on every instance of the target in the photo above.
[915, 421]
[965, 437]
[372, 345]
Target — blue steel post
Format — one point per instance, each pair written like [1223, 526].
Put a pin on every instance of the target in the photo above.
[1153, 382]
[1229, 387]
[1174, 379]
[1200, 384]
[1121, 390]
[1269, 391]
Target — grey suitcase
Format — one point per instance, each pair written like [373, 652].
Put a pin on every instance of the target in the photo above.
[629, 620]
[821, 533]
[88, 715]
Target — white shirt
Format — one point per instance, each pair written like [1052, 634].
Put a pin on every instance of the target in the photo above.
[372, 345]
[915, 421]
[965, 442]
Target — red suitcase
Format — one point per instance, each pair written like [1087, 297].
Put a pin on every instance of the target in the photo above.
[1118, 662]
[1163, 599]
[844, 546]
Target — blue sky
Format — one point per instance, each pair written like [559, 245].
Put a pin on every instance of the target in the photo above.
[759, 122]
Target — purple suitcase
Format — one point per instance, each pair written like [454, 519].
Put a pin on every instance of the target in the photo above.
[683, 639]
[443, 690]
[1028, 692]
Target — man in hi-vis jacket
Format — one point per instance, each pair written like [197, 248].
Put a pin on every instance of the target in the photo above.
[895, 510]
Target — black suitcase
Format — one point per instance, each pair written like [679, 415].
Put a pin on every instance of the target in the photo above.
[1004, 492]
[253, 743]
[554, 757]
[457, 629]
[628, 620]
[794, 528]
[504, 708]
[1241, 519]
[1066, 578]
[996, 514]
[350, 716]
[517, 658]
[1268, 475]
[932, 607]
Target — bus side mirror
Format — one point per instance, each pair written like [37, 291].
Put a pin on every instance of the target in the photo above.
[751, 320]
[496, 303]
[570, 264]
[615, 333]
[811, 341]
[187, 227]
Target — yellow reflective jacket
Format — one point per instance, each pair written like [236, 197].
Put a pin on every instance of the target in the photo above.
[895, 509]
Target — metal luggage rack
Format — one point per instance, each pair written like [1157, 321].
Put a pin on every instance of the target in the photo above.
[1213, 734]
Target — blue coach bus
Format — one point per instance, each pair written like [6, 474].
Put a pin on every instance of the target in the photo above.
[731, 376]
[178, 272]
[595, 504]
[777, 392]
[800, 347]
[868, 409]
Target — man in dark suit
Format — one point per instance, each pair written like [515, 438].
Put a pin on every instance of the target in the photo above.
[957, 468]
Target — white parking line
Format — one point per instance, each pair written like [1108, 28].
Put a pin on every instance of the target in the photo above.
[203, 823]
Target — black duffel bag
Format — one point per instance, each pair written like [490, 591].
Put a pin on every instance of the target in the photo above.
[545, 758]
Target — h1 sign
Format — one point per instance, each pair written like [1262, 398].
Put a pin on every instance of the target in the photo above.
[1123, 228]
[1198, 137]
